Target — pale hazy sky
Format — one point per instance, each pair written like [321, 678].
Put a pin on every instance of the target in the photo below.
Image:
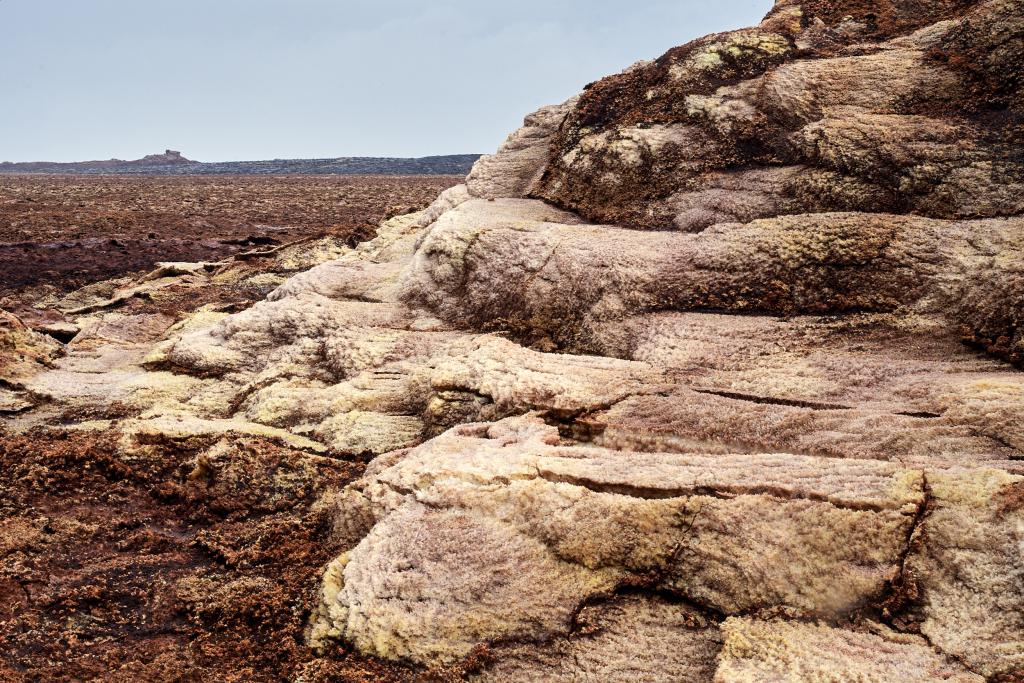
[228, 80]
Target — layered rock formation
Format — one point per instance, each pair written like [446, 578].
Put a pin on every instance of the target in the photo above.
[676, 386]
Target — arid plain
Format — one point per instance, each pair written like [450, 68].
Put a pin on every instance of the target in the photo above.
[111, 571]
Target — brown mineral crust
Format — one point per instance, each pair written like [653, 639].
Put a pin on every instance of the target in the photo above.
[58, 233]
[163, 568]
[637, 97]
[883, 18]
[1011, 497]
[798, 93]
[989, 51]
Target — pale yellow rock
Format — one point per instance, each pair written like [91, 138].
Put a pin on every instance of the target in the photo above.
[748, 44]
[738, 532]
[184, 427]
[969, 568]
[360, 433]
[23, 352]
[13, 401]
[625, 640]
[521, 264]
[754, 651]
[401, 596]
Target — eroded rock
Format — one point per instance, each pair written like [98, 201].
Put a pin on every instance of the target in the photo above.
[755, 650]
[673, 388]
[623, 640]
[969, 566]
[733, 532]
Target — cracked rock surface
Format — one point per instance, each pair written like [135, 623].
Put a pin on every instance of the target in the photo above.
[709, 374]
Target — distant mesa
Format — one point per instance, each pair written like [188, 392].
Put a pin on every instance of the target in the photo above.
[171, 162]
[170, 156]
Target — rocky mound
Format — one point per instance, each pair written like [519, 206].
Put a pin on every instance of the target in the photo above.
[673, 388]
[169, 156]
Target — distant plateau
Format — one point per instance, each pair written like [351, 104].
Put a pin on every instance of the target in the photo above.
[172, 162]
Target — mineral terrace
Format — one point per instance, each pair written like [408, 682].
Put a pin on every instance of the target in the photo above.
[711, 373]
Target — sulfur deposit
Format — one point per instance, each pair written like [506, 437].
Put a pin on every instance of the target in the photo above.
[711, 373]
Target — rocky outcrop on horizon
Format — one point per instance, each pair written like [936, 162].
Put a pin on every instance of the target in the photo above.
[711, 373]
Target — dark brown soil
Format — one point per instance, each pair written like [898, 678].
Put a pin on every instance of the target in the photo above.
[58, 233]
[163, 568]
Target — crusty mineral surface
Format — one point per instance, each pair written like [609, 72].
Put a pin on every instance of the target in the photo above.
[709, 374]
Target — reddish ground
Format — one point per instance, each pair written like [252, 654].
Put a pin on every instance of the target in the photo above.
[58, 233]
[169, 566]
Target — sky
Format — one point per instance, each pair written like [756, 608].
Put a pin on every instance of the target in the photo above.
[228, 80]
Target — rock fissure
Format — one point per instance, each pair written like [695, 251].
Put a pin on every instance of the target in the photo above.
[702, 491]
[773, 400]
[902, 589]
